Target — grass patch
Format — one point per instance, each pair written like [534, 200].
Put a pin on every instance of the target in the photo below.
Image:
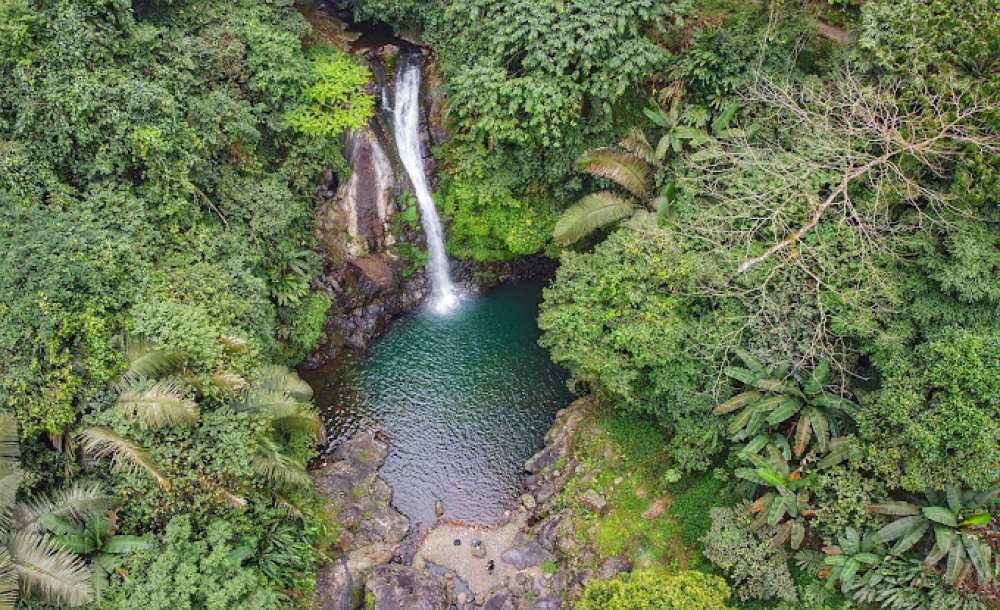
[623, 458]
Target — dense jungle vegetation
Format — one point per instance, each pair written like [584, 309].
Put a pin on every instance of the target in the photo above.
[781, 250]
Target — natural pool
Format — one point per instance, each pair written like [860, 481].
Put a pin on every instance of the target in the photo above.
[464, 398]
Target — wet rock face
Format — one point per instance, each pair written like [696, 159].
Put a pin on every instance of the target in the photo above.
[363, 205]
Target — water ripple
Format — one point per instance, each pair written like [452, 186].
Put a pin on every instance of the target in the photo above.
[465, 399]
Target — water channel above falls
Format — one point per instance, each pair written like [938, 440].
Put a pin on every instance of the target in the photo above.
[464, 398]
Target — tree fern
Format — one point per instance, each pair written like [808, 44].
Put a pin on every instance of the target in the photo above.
[159, 405]
[589, 214]
[637, 144]
[629, 171]
[52, 573]
[79, 503]
[101, 442]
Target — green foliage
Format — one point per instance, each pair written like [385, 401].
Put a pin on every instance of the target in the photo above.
[957, 518]
[488, 222]
[852, 555]
[935, 421]
[757, 569]
[335, 97]
[905, 584]
[187, 571]
[624, 322]
[531, 74]
[689, 590]
[150, 187]
[777, 398]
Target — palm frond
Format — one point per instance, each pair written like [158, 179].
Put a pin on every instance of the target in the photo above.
[637, 144]
[54, 574]
[146, 361]
[10, 480]
[281, 470]
[79, 502]
[159, 405]
[284, 380]
[625, 169]
[8, 581]
[100, 441]
[228, 381]
[589, 214]
[302, 420]
[10, 445]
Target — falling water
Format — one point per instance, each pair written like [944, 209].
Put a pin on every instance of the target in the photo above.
[407, 124]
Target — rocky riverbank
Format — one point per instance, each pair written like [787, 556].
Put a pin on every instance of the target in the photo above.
[531, 561]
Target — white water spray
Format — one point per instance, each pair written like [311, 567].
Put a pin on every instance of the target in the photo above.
[406, 120]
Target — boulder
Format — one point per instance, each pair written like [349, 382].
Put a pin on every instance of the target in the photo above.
[333, 587]
[595, 502]
[657, 508]
[525, 555]
[398, 587]
[613, 566]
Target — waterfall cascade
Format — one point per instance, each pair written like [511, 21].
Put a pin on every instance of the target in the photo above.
[406, 124]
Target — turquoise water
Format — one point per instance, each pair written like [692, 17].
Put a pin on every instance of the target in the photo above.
[464, 398]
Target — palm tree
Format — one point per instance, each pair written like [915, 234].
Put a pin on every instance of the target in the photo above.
[632, 166]
[30, 560]
[280, 395]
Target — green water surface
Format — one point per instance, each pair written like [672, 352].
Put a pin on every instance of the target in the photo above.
[464, 399]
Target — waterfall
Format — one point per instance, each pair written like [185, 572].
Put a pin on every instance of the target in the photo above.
[406, 123]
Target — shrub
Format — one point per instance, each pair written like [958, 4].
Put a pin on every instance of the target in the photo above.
[756, 569]
[335, 98]
[625, 321]
[687, 590]
[936, 419]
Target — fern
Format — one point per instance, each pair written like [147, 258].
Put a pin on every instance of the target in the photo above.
[105, 442]
[146, 361]
[589, 214]
[10, 447]
[282, 379]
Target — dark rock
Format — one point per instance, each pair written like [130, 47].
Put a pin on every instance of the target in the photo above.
[397, 587]
[548, 532]
[333, 586]
[525, 555]
[501, 600]
[372, 529]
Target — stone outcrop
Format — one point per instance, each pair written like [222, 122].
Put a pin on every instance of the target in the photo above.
[372, 529]
[397, 587]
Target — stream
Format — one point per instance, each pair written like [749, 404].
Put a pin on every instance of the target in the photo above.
[464, 398]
